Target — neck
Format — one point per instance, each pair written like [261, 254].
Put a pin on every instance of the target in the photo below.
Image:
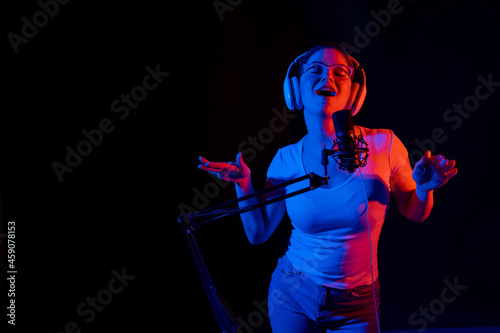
[320, 129]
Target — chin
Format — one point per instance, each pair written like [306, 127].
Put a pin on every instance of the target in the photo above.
[324, 107]
[331, 108]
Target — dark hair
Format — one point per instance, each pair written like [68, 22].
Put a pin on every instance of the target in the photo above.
[325, 45]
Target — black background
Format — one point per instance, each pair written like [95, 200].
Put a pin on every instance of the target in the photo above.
[118, 208]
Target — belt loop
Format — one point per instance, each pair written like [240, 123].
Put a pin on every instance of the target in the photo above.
[321, 303]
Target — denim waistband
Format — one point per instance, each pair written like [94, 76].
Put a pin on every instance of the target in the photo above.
[285, 265]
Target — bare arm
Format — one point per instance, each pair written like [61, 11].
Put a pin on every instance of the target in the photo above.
[414, 195]
[260, 223]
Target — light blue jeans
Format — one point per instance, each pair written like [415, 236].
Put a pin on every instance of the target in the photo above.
[297, 304]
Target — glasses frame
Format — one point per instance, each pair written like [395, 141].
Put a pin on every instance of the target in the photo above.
[309, 66]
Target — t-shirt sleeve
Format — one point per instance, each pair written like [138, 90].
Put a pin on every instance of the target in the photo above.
[275, 170]
[398, 155]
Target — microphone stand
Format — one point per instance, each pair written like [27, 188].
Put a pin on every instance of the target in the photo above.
[191, 222]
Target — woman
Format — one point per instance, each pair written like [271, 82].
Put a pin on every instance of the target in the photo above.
[328, 277]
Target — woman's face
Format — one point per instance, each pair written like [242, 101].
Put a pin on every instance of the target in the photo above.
[314, 88]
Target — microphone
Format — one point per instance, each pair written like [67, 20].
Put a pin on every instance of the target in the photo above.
[348, 147]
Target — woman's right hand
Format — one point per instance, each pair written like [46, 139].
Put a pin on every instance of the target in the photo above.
[236, 172]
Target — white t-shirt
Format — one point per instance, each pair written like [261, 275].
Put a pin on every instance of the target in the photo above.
[329, 241]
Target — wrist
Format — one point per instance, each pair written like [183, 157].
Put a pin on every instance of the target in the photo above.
[422, 194]
[243, 183]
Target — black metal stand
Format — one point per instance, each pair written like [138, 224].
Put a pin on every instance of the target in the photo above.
[191, 222]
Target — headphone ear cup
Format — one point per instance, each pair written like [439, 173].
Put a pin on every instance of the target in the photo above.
[287, 91]
[352, 97]
[291, 87]
[296, 93]
[361, 94]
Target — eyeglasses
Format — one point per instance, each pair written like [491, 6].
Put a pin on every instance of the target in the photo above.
[340, 72]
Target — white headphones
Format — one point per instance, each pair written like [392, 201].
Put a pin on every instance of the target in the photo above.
[291, 88]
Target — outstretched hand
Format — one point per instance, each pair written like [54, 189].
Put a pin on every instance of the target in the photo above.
[431, 172]
[236, 172]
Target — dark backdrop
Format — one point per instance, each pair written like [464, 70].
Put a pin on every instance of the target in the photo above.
[116, 210]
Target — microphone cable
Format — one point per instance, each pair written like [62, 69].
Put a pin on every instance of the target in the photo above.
[370, 243]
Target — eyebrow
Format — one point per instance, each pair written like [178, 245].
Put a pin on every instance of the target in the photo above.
[322, 63]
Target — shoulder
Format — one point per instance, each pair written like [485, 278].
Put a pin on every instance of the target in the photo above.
[287, 160]
[386, 145]
[379, 139]
[291, 150]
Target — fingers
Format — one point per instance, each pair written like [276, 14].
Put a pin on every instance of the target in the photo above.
[212, 165]
[207, 165]
[218, 167]
[445, 168]
[449, 170]
[241, 163]
[236, 172]
[427, 155]
[438, 161]
[424, 160]
[442, 164]
[450, 174]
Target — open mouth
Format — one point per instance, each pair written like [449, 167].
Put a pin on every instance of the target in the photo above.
[326, 92]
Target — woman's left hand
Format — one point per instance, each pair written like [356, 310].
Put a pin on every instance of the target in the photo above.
[431, 172]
